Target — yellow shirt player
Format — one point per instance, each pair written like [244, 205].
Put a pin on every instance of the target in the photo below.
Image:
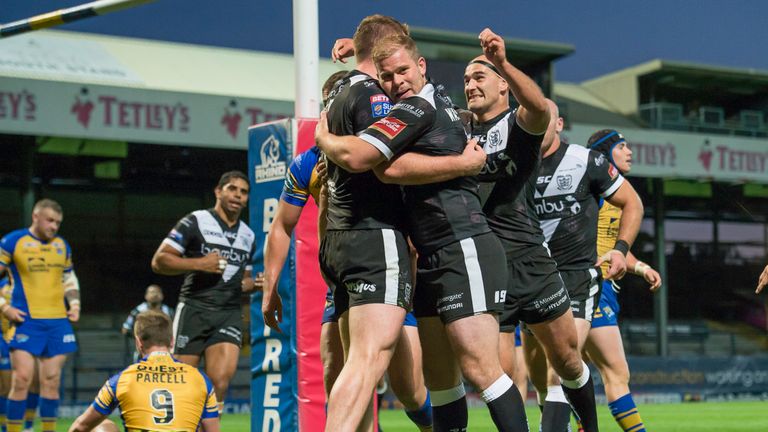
[39, 263]
[158, 393]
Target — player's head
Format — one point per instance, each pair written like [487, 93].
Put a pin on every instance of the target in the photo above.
[374, 28]
[232, 192]
[614, 147]
[330, 82]
[402, 70]
[153, 295]
[46, 219]
[152, 330]
[555, 125]
[484, 88]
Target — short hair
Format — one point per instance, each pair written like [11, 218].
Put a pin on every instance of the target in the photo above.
[229, 175]
[331, 82]
[373, 28]
[387, 46]
[47, 203]
[153, 328]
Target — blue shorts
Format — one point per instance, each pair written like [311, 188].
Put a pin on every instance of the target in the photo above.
[329, 313]
[607, 312]
[5, 355]
[44, 337]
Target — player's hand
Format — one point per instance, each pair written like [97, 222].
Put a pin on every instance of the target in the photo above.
[342, 49]
[321, 129]
[322, 170]
[653, 278]
[212, 263]
[272, 309]
[474, 156]
[254, 284]
[74, 313]
[763, 281]
[618, 263]
[14, 314]
[493, 47]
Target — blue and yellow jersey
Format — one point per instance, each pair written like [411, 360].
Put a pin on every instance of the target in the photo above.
[607, 230]
[5, 325]
[36, 269]
[301, 181]
[159, 393]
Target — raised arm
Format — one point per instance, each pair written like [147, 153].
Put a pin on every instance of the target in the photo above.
[533, 114]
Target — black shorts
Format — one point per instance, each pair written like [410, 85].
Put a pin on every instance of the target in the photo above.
[461, 279]
[535, 291]
[371, 266]
[196, 329]
[584, 289]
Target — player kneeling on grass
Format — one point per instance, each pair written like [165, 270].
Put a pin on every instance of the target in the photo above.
[158, 393]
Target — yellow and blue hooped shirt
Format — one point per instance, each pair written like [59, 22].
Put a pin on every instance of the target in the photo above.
[36, 269]
[301, 181]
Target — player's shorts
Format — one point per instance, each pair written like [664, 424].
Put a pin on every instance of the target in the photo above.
[535, 291]
[195, 329]
[367, 266]
[518, 337]
[607, 312]
[44, 337]
[462, 279]
[5, 355]
[584, 289]
[329, 313]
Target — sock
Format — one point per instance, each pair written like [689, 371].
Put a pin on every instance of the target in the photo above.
[221, 408]
[3, 409]
[15, 415]
[556, 416]
[49, 411]
[449, 409]
[625, 412]
[506, 405]
[581, 394]
[33, 399]
[422, 417]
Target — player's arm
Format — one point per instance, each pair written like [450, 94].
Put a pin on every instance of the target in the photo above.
[637, 267]
[533, 113]
[627, 199]
[169, 260]
[72, 294]
[349, 152]
[275, 254]
[762, 281]
[413, 168]
[342, 49]
[87, 421]
[211, 425]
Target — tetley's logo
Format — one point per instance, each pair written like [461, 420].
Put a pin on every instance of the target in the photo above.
[271, 166]
[232, 119]
[115, 112]
[705, 155]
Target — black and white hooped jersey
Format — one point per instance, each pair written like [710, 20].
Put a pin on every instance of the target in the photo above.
[359, 201]
[569, 184]
[508, 180]
[440, 213]
[200, 233]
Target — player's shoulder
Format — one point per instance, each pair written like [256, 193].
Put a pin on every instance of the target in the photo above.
[306, 159]
[246, 231]
[578, 151]
[16, 235]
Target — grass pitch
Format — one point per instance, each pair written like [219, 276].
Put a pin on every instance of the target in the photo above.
[687, 417]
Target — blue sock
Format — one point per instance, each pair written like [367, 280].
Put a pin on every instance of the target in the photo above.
[3, 409]
[16, 414]
[625, 413]
[33, 400]
[423, 415]
[49, 411]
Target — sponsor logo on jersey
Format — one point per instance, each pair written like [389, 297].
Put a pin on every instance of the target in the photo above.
[380, 105]
[545, 207]
[453, 114]
[272, 166]
[390, 127]
[544, 179]
[612, 171]
[599, 160]
[564, 182]
[176, 236]
[360, 286]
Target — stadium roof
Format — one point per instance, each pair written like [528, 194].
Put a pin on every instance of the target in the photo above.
[463, 46]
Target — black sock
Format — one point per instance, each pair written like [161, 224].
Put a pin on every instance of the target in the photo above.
[582, 399]
[556, 417]
[449, 410]
[506, 406]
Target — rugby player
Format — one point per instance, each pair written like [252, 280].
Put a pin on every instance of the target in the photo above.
[570, 182]
[460, 267]
[604, 346]
[159, 393]
[214, 249]
[39, 262]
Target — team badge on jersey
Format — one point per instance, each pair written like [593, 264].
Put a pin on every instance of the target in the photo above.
[391, 127]
[564, 182]
[380, 105]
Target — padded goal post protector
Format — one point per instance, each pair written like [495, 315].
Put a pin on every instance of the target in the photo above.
[286, 372]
